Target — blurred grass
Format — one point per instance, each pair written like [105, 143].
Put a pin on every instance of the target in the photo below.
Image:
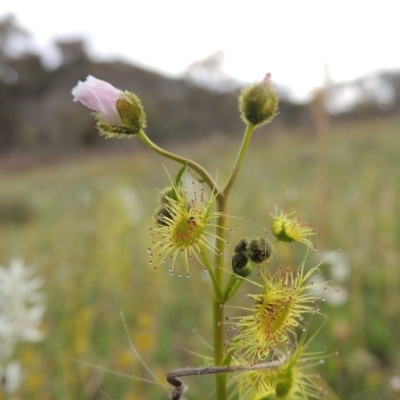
[84, 225]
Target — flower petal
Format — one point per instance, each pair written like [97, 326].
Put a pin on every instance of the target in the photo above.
[99, 96]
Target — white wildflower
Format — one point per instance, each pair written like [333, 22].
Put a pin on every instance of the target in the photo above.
[12, 377]
[22, 307]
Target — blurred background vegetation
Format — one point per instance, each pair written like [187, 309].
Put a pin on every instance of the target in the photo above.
[79, 207]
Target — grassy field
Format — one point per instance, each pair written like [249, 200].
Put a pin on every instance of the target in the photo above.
[84, 225]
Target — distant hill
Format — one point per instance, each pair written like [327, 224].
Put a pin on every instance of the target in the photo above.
[37, 111]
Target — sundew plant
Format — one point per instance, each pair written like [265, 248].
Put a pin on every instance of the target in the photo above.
[265, 358]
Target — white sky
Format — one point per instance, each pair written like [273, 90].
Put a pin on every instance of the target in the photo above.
[291, 38]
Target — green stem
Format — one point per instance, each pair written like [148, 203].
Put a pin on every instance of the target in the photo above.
[239, 160]
[218, 309]
[216, 274]
[181, 160]
[218, 303]
[232, 287]
[218, 336]
[217, 289]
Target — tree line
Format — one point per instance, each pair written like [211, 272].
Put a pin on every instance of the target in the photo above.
[37, 111]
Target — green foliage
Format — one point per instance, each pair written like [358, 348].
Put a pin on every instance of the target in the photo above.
[15, 211]
[89, 237]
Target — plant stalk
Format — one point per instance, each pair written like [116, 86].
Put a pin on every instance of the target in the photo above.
[181, 160]
[218, 301]
[216, 273]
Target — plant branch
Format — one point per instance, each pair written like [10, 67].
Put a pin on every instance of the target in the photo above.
[239, 160]
[181, 160]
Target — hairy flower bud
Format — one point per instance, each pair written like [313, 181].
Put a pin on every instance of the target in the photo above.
[241, 265]
[117, 113]
[287, 227]
[258, 103]
[259, 250]
[250, 252]
[242, 246]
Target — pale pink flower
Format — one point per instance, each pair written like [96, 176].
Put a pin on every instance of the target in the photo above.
[101, 97]
[267, 79]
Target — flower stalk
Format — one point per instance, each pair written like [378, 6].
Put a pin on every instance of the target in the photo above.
[205, 176]
[183, 227]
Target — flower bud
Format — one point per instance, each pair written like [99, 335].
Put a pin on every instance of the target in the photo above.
[117, 113]
[258, 103]
[242, 246]
[259, 250]
[131, 111]
[287, 227]
[241, 265]
[99, 96]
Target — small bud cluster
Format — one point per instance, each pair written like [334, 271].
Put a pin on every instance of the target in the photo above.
[249, 253]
